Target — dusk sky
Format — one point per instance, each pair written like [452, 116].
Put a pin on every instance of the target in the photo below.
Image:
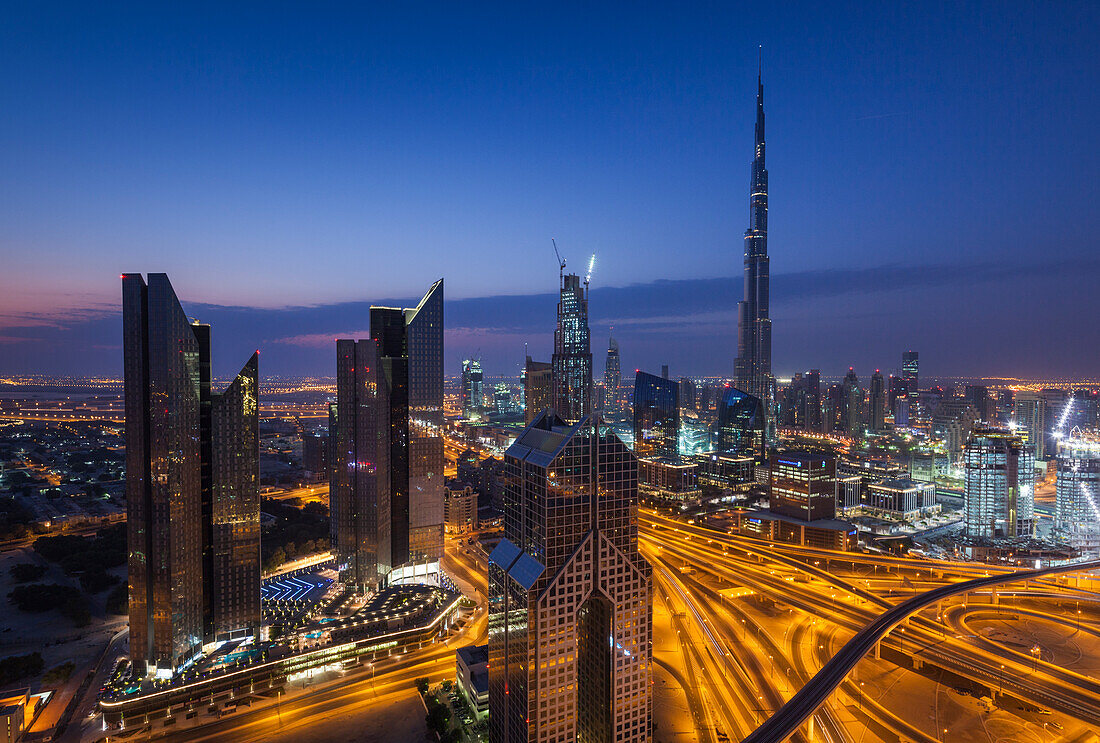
[933, 178]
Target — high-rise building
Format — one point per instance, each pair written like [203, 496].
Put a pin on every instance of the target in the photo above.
[359, 489]
[852, 402]
[570, 597]
[1077, 505]
[192, 484]
[687, 394]
[572, 360]
[459, 509]
[753, 367]
[537, 387]
[472, 393]
[315, 451]
[1000, 482]
[978, 396]
[1030, 419]
[802, 485]
[813, 400]
[612, 377]
[233, 541]
[952, 422]
[878, 402]
[390, 446]
[910, 372]
[656, 416]
[741, 424]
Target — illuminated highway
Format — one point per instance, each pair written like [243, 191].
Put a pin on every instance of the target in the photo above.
[762, 619]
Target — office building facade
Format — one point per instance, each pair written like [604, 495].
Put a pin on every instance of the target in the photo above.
[802, 485]
[877, 403]
[569, 595]
[192, 485]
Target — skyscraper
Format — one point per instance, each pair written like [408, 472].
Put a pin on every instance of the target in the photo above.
[570, 597]
[537, 387]
[852, 402]
[572, 360]
[612, 376]
[1030, 416]
[910, 372]
[753, 368]
[192, 484]
[1000, 482]
[390, 395]
[878, 401]
[359, 500]
[1077, 507]
[656, 416]
[741, 424]
[472, 393]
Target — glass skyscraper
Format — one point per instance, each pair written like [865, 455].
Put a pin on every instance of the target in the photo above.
[390, 395]
[910, 372]
[656, 416]
[572, 359]
[192, 484]
[741, 422]
[570, 597]
[1077, 507]
[472, 393]
[1000, 484]
[359, 501]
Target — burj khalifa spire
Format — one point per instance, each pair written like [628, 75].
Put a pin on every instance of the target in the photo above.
[753, 368]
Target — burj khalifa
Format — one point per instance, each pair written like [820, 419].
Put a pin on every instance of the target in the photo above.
[753, 368]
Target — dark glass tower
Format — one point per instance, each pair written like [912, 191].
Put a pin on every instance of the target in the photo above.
[390, 395]
[360, 488]
[192, 484]
[741, 422]
[572, 359]
[753, 368]
[656, 416]
[910, 372]
[570, 597]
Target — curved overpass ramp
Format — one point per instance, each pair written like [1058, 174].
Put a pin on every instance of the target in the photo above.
[788, 718]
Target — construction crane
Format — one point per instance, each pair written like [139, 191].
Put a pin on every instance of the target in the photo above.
[561, 261]
[591, 268]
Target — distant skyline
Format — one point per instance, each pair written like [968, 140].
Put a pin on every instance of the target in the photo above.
[932, 180]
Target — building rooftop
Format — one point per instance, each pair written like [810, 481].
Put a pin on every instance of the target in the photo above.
[900, 483]
[473, 655]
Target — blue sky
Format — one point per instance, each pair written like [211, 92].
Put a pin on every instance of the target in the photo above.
[933, 177]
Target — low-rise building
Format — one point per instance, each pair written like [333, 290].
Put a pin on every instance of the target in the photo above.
[900, 499]
[472, 675]
[668, 479]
